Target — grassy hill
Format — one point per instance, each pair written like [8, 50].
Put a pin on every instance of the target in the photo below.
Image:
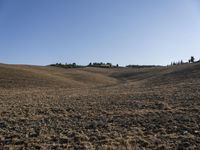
[47, 76]
[24, 76]
[46, 107]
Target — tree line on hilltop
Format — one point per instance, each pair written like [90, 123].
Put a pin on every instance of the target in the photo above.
[191, 60]
[110, 65]
[95, 64]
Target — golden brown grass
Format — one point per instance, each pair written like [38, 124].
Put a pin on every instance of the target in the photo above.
[96, 108]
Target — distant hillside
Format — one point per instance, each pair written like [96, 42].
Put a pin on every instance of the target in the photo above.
[26, 76]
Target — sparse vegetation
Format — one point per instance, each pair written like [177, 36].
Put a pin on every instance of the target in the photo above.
[177, 63]
[191, 60]
[181, 62]
[110, 65]
[101, 65]
[95, 64]
[66, 65]
[100, 108]
[141, 66]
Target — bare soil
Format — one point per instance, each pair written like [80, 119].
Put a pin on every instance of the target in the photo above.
[94, 108]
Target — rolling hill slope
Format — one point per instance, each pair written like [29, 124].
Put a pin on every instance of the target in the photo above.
[24, 76]
[43, 107]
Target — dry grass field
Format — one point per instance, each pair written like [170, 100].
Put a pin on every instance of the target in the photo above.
[98, 108]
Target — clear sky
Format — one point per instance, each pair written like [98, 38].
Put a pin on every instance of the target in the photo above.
[42, 32]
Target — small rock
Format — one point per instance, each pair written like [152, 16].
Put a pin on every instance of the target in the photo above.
[92, 125]
[196, 132]
[34, 133]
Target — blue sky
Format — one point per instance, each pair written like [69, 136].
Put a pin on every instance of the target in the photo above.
[42, 32]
